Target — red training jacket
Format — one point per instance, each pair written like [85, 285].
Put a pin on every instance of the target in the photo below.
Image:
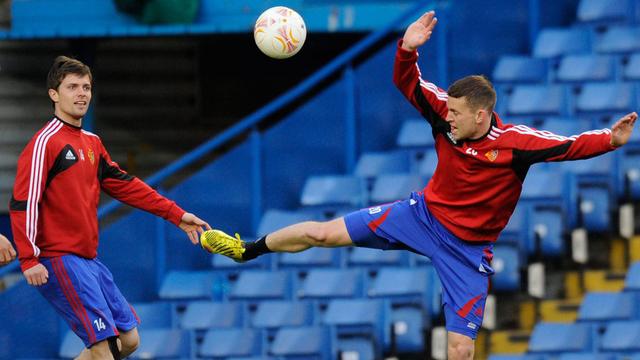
[477, 183]
[56, 193]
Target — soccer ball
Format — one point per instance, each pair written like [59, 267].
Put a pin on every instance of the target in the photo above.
[279, 32]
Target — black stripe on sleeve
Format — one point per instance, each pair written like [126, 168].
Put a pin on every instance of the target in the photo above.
[106, 171]
[16, 205]
[534, 156]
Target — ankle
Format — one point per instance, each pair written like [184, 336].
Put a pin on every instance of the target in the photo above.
[255, 249]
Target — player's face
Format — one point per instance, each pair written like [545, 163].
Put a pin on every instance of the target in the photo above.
[461, 118]
[72, 97]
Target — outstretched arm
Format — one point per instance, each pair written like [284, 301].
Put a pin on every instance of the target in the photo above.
[419, 32]
[622, 129]
[429, 99]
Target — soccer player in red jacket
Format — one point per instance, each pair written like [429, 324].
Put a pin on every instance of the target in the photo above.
[482, 164]
[54, 217]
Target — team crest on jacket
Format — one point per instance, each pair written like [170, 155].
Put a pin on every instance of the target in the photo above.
[90, 155]
[492, 155]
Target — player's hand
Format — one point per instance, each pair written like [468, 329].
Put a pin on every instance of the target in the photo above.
[419, 31]
[37, 275]
[7, 252]
[622, 129]
[193, 226]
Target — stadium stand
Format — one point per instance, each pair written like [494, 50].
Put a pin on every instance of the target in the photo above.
[361, 303]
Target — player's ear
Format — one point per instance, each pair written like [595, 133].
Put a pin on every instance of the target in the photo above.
[53, 95]
[480, 114]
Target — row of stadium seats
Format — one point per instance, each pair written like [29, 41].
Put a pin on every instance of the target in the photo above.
[581, 100]
[279, 328]
[556, 42]
[400, 285]
[606, 12]
[512, 69]
[607, 327]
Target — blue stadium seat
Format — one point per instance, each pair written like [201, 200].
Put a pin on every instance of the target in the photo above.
[596, 190]
[188, 285]
[506, 263]
[605, 97]
[544, 190]
[372, 164]
[367, 257]
[632, 281]
[392, 187]
[408, 324]
[355, 348]
[274, 219]
[310, 258]
[202, 315]
[619, 39]
[404, 286]
[516, 230]
[606, 306]
[586, 356]
[260, 285]
[554, 42]
[604, 11]
[308, 342]
[547, 230]
[415, 133]
[162, 344]
[586, 67]
[520, 69]
[632, 68]
[332, 190]
[558, 337]
[272, 315]
[232, 342]
[595, 208]
[326, 284]
[363, 318]
[629, 172]
[515, 357]
[71, 346]
[565, 126]
[622, 336]
[428, 163]
[154, 315]
[537, 100]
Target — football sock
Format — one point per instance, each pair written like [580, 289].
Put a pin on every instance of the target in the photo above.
[113, 347]
[254, 249]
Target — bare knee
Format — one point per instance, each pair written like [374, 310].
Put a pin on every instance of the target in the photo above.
[460, 348]
[328, 234]
[129, 342]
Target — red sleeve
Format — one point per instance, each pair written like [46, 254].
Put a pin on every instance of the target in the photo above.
[31, 177]
[531, 145]
[133, 191]
[429, 99]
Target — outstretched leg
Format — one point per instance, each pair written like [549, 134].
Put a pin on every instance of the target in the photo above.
[293, 238]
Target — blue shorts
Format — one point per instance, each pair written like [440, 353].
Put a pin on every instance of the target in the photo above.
[463, 267]
[83, 292]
